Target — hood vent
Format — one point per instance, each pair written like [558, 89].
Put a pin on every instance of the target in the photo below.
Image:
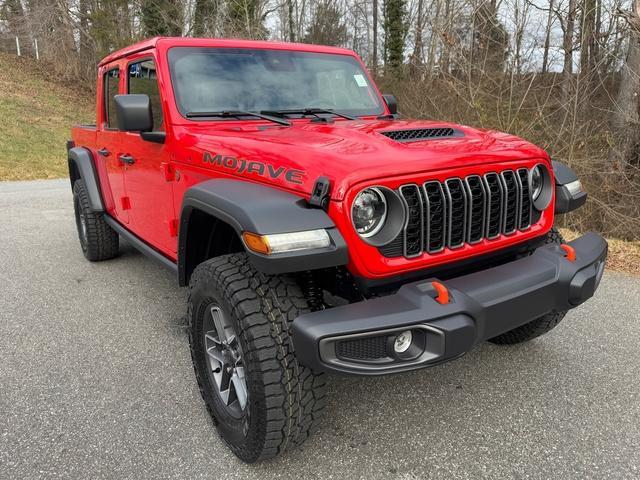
[420, 134]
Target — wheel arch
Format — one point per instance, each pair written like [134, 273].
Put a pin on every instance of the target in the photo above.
[216, 212]
[81, 166]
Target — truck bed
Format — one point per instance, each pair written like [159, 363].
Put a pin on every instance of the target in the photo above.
[84, 135]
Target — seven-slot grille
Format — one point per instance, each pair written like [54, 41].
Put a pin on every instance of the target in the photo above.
[456, 211]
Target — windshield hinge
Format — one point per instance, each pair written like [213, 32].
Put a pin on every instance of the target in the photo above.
[320, 193]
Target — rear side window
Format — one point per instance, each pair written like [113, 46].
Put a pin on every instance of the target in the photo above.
[142, 78]
[110, 90]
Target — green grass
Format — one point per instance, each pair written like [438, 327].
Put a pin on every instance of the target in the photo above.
[36, 115]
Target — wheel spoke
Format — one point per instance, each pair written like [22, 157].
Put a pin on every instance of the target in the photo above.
[218, 322]
[225, 380]
[240, 386]
[225, 360]
[216, 354]
[211, 337]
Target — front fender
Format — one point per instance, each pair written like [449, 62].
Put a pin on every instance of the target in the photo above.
[566, 201]
[250, 207]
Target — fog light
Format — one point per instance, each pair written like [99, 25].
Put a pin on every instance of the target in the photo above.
[402, 342]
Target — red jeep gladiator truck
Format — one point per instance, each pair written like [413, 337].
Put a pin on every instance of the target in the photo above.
[316, 230]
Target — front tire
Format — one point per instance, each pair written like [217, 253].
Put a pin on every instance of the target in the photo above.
[97, 239]
[284, 400]
[540, 325]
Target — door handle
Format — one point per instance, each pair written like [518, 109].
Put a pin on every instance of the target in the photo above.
[127, 159]
[104, 152]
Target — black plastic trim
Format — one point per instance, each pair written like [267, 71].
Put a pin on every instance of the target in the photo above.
[250, 207]
[303, 260]
[483, 305]
[141, 245]
[562, 173]
[83, 161]
[154, 137]
[565, 202]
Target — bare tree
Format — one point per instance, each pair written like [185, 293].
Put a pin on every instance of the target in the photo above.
[626, 121]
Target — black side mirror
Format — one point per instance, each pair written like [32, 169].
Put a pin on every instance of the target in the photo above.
[391, 102]
[133, 112]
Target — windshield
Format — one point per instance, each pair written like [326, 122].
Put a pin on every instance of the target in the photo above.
[224, 79]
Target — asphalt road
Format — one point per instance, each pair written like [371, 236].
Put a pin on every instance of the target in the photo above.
[96, 382]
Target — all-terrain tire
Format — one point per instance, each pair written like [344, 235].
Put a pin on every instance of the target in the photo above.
[97, 239]
[285, 399]
[540, 325]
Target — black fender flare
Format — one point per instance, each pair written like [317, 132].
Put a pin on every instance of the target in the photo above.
[251, 207]
[81, 165]
[565, 201]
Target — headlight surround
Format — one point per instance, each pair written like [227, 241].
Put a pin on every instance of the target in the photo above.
[536, 182]
[369, 212]
[377, 215]
[540, 186]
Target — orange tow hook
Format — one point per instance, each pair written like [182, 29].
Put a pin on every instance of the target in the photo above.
[443, 294]
[570, 252]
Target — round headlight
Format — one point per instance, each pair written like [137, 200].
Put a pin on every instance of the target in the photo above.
[537, 182]
[369, 212]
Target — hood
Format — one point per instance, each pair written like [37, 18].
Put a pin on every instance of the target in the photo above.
[347, 152]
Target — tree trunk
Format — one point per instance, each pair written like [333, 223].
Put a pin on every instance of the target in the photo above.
[291, 15]
[447, 44]
[435, 32]
[567, 46]
[374, 60]
[547, 39]
[587, 28]
[415, 61]
[626, 121]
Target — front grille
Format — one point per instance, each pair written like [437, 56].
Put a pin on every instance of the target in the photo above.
[418, 134]
[369, 348]
[462, 211]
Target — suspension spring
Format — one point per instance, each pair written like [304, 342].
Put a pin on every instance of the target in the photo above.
[312, 291]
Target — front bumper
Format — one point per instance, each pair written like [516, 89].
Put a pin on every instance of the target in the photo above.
[358, 338]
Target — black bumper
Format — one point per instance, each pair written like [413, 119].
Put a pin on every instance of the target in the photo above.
[358, 338]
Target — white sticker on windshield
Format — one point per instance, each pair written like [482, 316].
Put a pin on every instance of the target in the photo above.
[360, 80]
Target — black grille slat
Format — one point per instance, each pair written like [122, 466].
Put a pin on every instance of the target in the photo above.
[477, 208]
[494, 205]
[457, 212]
[415, 135]
[413, 240]
[436, 209]
[369, 348]
[525, 199]
[511, 202]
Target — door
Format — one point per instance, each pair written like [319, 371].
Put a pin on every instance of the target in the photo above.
[147, 177]
[109, 143]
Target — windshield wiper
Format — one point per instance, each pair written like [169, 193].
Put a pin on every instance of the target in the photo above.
[238, 114]
[308, 111]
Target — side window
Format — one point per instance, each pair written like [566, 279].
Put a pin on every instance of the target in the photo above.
[110, 90]
[143, 79]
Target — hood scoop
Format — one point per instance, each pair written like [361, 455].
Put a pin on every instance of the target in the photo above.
[420, 134]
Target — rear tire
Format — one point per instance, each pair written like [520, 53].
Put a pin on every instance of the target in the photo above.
[539, 326]
[284, 399]
[97, 239]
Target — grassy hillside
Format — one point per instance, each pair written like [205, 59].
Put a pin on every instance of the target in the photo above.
[36, 114]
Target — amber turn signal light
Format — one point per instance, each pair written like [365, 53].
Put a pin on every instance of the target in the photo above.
[256, 243]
